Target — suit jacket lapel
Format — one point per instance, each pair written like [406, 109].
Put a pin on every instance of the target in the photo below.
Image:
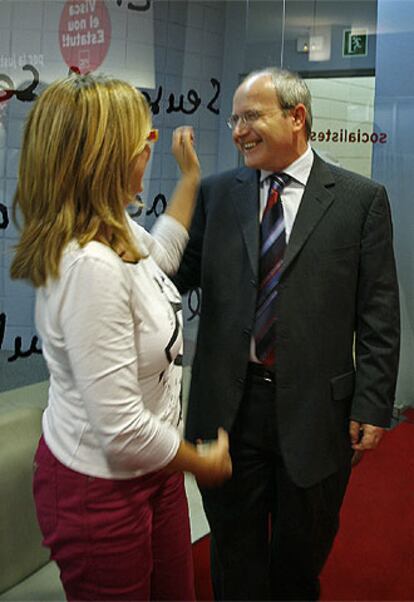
[315, 201]
[245, 198]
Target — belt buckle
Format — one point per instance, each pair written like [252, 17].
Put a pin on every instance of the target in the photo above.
[268, 376]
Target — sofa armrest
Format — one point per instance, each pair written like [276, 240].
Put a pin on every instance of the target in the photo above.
[21, 552]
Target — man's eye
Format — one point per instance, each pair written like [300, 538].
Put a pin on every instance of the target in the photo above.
[251, 115]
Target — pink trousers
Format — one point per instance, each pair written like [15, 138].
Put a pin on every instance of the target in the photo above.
[115, 539]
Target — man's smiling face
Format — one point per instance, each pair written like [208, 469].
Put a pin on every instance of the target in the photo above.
[268, 141]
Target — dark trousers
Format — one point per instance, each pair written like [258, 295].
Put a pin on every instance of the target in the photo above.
[269, 537]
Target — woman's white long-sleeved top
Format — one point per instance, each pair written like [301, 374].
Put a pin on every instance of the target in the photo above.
[112, 339]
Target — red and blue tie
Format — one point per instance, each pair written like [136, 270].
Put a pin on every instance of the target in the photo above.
[273, 245]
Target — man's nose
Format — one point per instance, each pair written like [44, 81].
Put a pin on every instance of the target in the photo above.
[240, 126]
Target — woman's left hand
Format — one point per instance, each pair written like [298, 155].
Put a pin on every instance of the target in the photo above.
[184, 151]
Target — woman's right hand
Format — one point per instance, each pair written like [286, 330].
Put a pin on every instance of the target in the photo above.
[217, 466]
[209, 463]
[184, 152]
[182, 204]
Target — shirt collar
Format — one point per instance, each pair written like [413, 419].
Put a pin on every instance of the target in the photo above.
[299, 170]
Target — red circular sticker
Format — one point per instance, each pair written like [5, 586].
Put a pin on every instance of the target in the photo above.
[84, 34]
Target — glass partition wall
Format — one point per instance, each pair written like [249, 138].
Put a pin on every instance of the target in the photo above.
[188, 57]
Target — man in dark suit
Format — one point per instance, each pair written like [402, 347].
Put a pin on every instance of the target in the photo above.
[328, 389]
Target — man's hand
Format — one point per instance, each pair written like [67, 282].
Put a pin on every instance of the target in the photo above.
[364, 436]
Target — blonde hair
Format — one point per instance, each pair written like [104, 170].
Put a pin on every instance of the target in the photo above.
[74, 174]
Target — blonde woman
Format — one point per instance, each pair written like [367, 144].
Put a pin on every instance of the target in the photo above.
[108, 484]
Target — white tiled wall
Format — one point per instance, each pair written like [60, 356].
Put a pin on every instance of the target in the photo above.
[188, 53]
[344, 105]
[193, 42]
[186, 40]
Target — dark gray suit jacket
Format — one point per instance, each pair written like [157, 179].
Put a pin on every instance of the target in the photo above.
[338, 286]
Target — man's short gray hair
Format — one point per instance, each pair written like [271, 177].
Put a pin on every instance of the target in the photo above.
[290, 90]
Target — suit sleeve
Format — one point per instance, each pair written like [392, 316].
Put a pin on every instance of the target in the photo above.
[378, 320]
[189, 272]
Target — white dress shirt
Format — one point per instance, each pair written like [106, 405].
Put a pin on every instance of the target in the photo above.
[290, 198]
[292, 193]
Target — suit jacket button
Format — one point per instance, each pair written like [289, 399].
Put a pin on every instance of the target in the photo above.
[240, 380]
[253, 282]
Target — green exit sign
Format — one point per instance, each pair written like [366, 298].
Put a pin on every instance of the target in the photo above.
[355, 42]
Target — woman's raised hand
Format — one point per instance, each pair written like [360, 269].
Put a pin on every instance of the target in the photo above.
[184, 152]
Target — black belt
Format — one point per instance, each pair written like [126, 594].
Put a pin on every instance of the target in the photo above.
[259, 371]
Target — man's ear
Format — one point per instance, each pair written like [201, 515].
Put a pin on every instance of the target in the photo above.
[299, 117]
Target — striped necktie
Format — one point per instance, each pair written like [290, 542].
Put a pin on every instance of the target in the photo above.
[272, 249]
